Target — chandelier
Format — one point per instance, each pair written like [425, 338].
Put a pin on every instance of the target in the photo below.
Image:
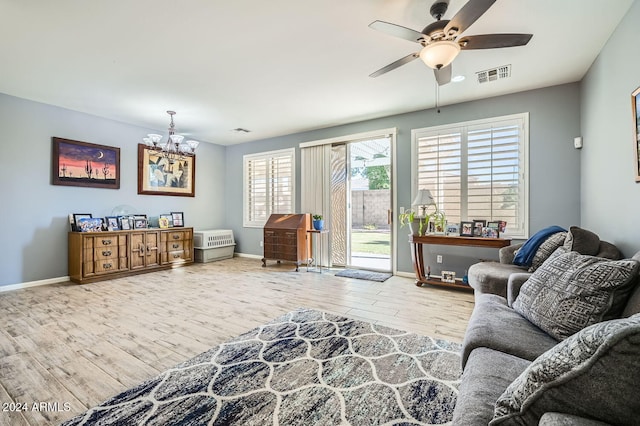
[175, 148]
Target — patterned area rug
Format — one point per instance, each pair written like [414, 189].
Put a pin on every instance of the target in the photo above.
[304, 368]
[364, 275]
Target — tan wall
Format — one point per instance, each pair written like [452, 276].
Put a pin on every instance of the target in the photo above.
[369, 207]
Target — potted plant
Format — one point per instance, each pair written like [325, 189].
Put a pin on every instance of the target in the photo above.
[318, 222]
[409, 218]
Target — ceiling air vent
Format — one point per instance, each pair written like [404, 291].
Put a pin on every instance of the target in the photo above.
[494, 74]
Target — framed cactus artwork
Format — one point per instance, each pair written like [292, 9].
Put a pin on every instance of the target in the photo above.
[75, 163]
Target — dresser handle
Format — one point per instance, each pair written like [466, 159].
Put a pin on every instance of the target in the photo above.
[107, 265]
[106, 242]
[175, 256]
[106, 253]
[176, 245]
[176, 236]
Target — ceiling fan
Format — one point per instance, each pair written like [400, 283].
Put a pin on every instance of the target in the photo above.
[441, 39]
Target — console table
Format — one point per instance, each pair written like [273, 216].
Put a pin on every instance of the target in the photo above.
[417, 242]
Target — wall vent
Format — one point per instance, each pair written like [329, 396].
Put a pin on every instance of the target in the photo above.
[494, 74]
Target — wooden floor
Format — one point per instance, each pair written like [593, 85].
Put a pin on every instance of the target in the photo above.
[66, 347]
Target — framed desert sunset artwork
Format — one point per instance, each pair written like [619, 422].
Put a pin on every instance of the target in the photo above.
[76, 163]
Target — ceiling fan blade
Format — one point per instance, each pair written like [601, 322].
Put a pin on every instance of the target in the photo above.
[397, 30]
[493, 41]
[469, 13]
[443, 75]
[393, 65]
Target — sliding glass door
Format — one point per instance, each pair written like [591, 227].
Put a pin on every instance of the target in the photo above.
[361, 204]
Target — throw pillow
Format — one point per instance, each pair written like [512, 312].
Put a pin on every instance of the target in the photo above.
[592, 374]
[545, 250]
[571, 291]
[582, 241]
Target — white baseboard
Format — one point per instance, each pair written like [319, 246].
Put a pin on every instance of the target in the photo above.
[406, 274]
[33, 284]
[250, 256]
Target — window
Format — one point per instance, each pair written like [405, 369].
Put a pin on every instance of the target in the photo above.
[476, 170]
[268, 185]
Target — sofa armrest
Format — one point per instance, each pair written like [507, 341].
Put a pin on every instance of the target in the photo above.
[514, 284]
[506, 254]
[562, 419]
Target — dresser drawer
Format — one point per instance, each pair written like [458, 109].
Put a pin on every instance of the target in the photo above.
[175, 245]
[174, 256]
[173, 236]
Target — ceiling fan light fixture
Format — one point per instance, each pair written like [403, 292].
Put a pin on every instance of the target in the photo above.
[439, 54]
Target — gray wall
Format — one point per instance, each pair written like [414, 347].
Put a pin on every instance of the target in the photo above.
[34, 235]
[610, 195]
[554, 163]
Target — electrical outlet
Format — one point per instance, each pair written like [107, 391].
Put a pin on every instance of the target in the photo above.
[261, 243]
[439, 258]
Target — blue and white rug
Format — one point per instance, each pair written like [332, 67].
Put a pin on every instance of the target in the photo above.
[304, 368]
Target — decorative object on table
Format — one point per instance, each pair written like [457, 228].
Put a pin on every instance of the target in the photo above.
[177, 219]
[415, 223]
[112, 223]
[495, 225]
[75, 163]
[448, 277]
[453, 229]
[428, 272]
[89, 224]
[166, 218]
[635, 107]
[434, 223]
[503, 227]
[423, 200]
[158, 175]
[163, 222]
[77, 217]
[318, 222]
[466, 229]
[478, 226]
[371, 374]
[125, 222]
[140, 222]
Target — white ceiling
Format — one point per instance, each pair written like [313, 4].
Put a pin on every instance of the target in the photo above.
[274, 67]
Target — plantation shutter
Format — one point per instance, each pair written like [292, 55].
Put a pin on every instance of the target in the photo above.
[475, 170]
[268, 186]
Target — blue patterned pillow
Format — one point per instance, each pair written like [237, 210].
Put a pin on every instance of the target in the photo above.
[571, 291]
[593, 374]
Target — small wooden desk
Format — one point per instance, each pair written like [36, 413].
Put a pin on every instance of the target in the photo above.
[417, 242]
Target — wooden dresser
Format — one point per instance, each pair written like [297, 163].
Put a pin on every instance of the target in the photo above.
[96, 256]
[286, 239]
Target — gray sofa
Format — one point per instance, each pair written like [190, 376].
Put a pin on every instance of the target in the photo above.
[543, 374]
[492, 277]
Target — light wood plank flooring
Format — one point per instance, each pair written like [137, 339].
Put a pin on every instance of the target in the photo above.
[66, 347]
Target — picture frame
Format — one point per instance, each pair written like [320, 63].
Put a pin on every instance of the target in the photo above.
[125, 223]
[635, 108]
[89, 224]
[77, 217]
[140, 222]
[448, 277]
[494, 225]
[165, 219]
[177, 219]
[77, 163]
[478, 226]
[466, 229]
[112, 223]
[453, 229]
[159, 176]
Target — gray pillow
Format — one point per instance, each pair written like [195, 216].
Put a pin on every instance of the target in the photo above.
[551, 244]
[582, 241]
[593, 374]
[571, 291]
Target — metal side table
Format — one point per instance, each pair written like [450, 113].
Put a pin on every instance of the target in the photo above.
[314, 263]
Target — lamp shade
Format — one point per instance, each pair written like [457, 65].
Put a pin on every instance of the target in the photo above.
[439, 54]
[423, 198]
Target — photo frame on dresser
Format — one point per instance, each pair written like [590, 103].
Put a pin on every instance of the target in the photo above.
[177, 219]
[77, 217]
[112, 223]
